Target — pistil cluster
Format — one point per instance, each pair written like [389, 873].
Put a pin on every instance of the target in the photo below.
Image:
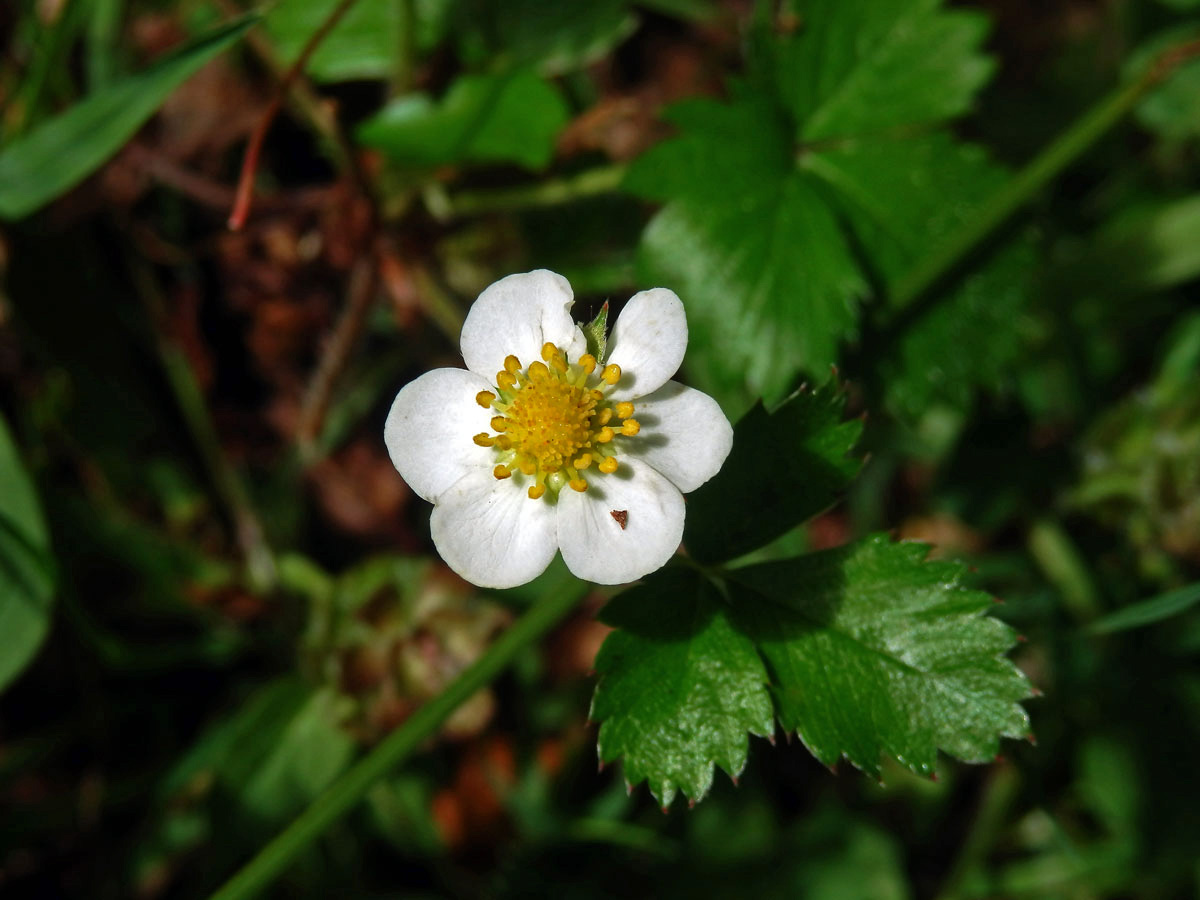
[555, 421]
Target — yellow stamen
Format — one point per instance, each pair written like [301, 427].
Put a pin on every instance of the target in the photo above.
[552, 421]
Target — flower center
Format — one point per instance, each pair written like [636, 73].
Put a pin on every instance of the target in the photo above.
[555, 421]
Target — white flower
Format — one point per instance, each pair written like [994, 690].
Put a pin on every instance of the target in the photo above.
[535, 448]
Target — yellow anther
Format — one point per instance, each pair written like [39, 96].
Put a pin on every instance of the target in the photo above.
[536, 491]
[506, 381]
[583, 462]
[549, 351]
[624, 410]
[630, 427]
[604, 435]
[559, 364]
[485, 398]
[512, 364]
[587, 362]
[503, 442]
[483, 439]
[608, 465]
[606, 414]
[578, 484]
[527, 465]
[538, 370]
[498, 423]
[501, 472]
[612, 373]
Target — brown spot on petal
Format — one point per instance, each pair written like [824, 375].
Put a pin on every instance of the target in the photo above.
[621, 515]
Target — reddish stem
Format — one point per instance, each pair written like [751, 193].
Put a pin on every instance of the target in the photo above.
[245, 188]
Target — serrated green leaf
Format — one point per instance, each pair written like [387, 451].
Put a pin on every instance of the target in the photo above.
[512, 117]
[899, 197]
[756, 234]
[596, 333]
[868, 66]
[875, 652]
[26, 567]
[784, 468]
[732, 241]
[60, 153]
[679, 687]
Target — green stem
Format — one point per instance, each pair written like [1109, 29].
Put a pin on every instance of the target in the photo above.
[1027, 183]
[341, 796]
[553, 192]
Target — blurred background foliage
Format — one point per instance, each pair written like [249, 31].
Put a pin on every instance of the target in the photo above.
[215, 591]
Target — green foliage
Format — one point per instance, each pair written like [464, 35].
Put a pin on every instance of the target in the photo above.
[875, 653]
[871, 651]
[27, 572]
[483, 118]
[839, 115]
[60, 153]
[235, 622]
[785, 467]
[366, 43]
[679, 687]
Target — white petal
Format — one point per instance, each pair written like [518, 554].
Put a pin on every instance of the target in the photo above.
[648, 342]
[517, 315]
[429, 429]
[594, 545]
[684, 435]
[491, 533]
